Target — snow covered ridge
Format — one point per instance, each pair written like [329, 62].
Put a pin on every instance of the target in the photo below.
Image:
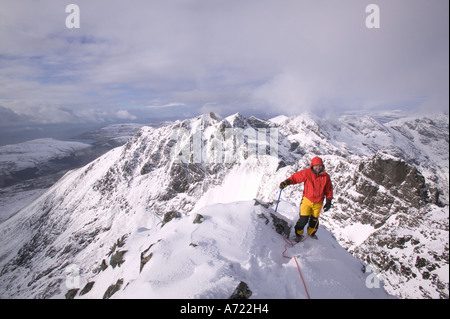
[221, 247]
[390, 211]
[207, 141]
[211, 254]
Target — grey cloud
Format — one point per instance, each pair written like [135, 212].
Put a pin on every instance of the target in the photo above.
[260, 56]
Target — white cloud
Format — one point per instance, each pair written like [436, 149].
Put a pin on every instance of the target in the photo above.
[159, 106]
[125, 115]
[289, 93]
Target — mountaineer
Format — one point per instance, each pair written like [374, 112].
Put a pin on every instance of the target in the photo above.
[317, 187]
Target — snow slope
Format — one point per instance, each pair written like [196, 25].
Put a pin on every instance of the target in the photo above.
[234, 242]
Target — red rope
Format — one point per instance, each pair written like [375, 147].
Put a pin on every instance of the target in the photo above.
[291, 244]
[304, 285]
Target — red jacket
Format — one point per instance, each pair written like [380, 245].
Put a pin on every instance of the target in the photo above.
[316, 186]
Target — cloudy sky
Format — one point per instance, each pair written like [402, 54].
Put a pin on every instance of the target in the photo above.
[150, 59]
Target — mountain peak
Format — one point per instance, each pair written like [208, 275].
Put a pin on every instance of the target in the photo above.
[236, 120]
[210, 117]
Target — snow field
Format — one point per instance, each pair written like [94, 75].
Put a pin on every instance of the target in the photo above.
[232, 244]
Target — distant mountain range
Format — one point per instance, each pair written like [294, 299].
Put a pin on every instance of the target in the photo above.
[390, 178]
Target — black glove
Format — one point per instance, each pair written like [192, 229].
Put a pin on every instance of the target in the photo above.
[327, 205]
[285, 183]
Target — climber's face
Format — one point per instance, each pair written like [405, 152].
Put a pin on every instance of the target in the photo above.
[317, 169]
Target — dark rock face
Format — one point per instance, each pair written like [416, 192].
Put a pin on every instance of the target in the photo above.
[169, 216]
[393, 197]
[372, 190]
[242, 291]
[113, 289]
[400, 178]
[280, 225]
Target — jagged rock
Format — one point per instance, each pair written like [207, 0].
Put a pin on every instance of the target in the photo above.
[213, 116]
[402, 179]
[113, 289]
[242, 291]
[257, 123]
[262, 216]
[103, 265]
[71, 293]
[169, 216]
[147, 168]
[144, 260]
[87, 288]
[198, 219]
[119, 243]
[261, 203]
[281, 226]
[117, 258]
[239, 121]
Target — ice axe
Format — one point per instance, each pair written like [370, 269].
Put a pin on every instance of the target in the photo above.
[278, 201]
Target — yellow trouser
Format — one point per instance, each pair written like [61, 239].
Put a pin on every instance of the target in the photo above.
[309, 211]
[308, 208]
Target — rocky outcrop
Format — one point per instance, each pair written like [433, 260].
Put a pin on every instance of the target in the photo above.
[391, 196]
[169, 216]
[242, 291]
[398, 177]
[112, 289]
[280, 225]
